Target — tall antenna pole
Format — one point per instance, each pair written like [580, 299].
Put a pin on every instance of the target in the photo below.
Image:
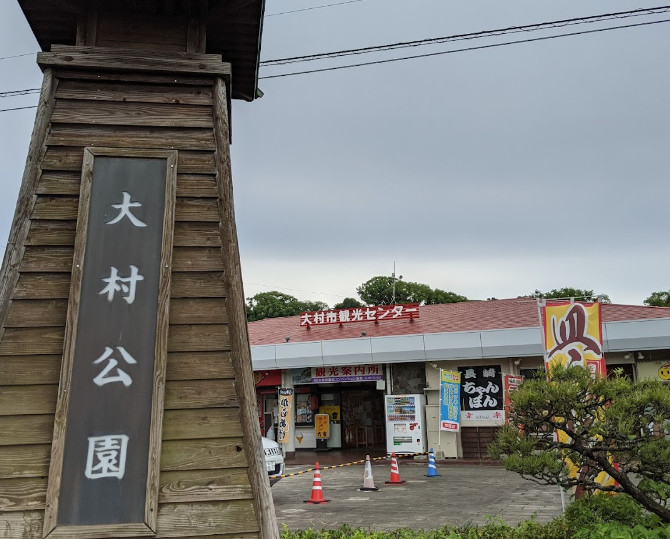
[393, 278]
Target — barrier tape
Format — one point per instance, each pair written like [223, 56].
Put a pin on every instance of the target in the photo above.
[308, 470]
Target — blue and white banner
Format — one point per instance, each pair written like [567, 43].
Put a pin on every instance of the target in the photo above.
[450, 400]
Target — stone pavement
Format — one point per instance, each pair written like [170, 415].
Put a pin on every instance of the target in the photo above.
[463, 494]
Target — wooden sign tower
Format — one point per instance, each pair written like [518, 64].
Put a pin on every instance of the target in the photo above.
[127, 405]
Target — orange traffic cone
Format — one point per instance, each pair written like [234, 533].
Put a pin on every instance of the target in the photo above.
[317, 489]
[395, 474]
[368, 482]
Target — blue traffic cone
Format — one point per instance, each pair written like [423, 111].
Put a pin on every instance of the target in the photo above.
[432, 468]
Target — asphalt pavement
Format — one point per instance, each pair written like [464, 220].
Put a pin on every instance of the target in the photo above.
[462, 494]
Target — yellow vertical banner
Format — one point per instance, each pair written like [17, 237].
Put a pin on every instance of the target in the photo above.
[573, 336]
[322, 426]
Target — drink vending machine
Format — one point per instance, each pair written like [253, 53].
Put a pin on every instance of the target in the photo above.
[405, 423]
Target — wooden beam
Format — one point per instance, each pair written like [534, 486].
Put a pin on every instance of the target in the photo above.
[239, 337]
[127, 60]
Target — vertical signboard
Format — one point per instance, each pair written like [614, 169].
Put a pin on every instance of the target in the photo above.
[285, 413]
[106, 452]
[482, 393]
[450, 401]
[512, 383]
[322, 426]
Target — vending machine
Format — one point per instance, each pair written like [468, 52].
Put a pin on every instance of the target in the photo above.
[405, 423]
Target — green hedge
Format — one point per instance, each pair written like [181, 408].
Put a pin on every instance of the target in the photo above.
[607, 517]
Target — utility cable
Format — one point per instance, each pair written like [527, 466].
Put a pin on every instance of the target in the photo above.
[530, 40]
[473, 35]
[16, 93]
[313, 7]
[19, 108]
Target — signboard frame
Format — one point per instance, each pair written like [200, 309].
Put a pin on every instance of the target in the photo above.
[148, 527]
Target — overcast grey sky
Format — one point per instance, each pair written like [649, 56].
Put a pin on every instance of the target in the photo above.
[489, 173]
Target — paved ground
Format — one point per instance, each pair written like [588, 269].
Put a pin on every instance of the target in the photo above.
[463, 494]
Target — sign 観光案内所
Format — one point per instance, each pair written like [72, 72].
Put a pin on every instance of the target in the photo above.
[450, 400]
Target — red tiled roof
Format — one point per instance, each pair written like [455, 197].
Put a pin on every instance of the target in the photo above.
[466, 316]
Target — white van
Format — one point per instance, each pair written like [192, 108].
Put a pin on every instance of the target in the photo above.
[274, 460]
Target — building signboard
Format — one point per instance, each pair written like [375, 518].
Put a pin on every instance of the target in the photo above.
[106, 451]
[360, 314]
[482, 393]
[338, 373]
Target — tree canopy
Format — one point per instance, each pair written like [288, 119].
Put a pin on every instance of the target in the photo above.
[658, 299]
[566, 292]
[348, 303]
[610, 427]
[276, 304]
[379, 291]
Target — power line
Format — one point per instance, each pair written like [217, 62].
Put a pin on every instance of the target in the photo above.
[16, 93]
[313, 7]
[17, 55]
[530, 40]
[19, 108]
[473, 35]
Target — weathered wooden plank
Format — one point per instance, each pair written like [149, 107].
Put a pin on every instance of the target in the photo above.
[42, 285]
[199, 366]
[197, 285]
[171, 138]
[196, 185]
[143, 93]
[192, 162]
[109, 59]
[61, 208]
[26, 429]
[207, 518]
[47, 259]
[67, 183]
[29, 370]
[189, 259]
[22, 400]
[24, 460]
[29, 341]
[22, 524]
[140, 114]
[204, 485]
[59, 183]
[56, 233]
[177, 79]
[198, 311]
[191, 338]
[36, 313]
[197, 209]
[202, 454]
[190, 234]
[23, 493]
[70, 158]
[63, 158]
[199, 394]
[200, 424]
